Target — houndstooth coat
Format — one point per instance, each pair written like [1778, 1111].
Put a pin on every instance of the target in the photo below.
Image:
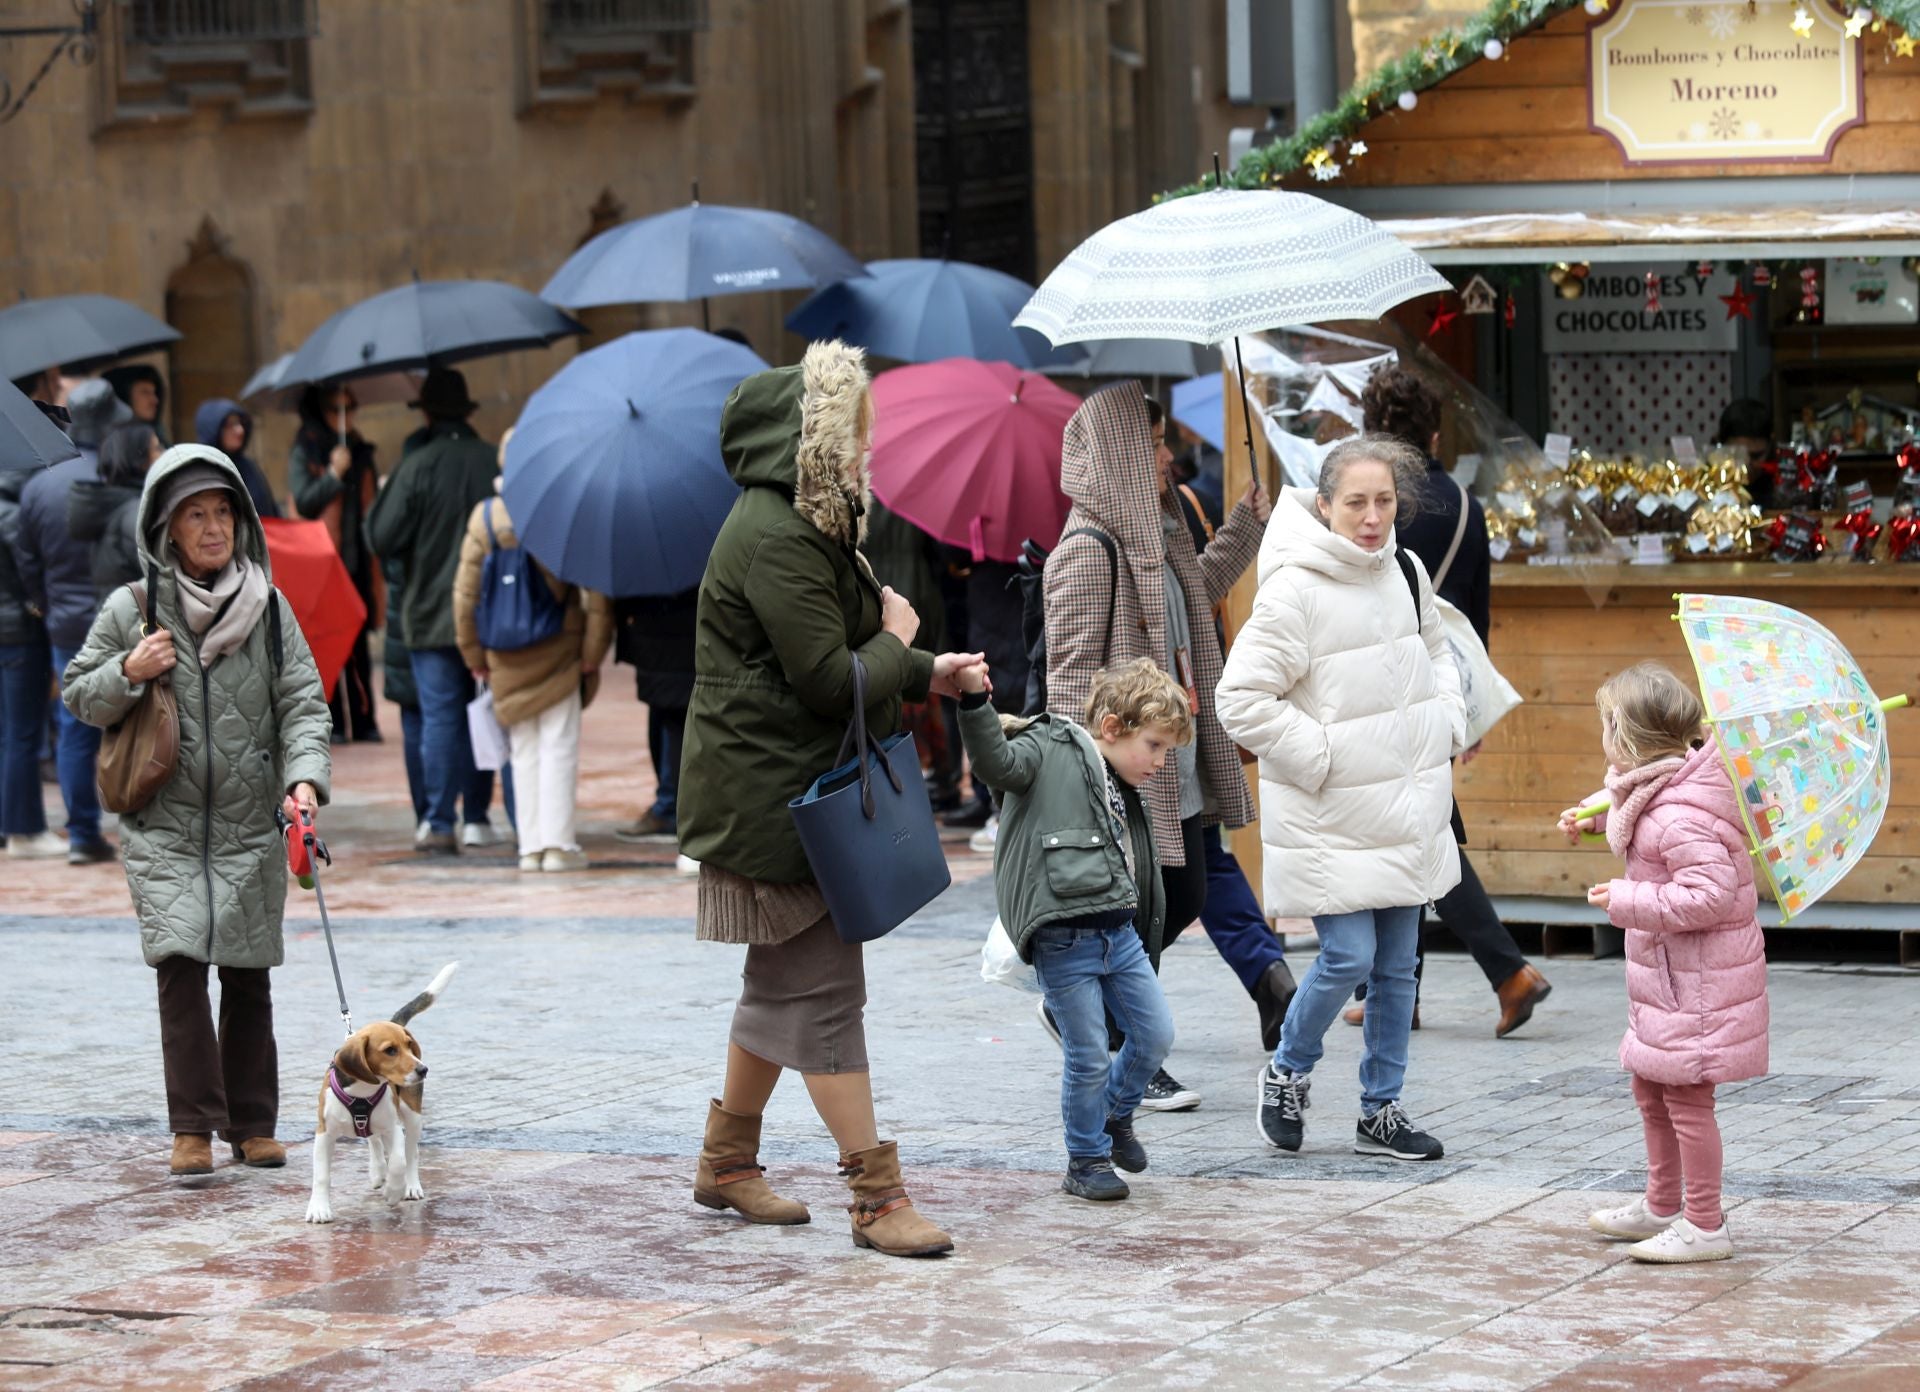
[1107, 467]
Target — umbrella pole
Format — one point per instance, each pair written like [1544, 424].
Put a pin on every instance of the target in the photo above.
[1246, 401]
[706, 314]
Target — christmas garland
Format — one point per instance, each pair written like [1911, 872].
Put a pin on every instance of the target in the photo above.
[1398, 83]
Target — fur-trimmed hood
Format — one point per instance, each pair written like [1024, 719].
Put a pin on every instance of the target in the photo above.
[797, 430]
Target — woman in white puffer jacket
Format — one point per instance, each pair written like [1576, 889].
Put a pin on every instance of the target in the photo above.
[1343, 685]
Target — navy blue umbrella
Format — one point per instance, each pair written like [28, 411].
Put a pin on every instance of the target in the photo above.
[28, 440]
[613, 474]
[430, 323]
[77, 331]
[696, 253]
[926, 311]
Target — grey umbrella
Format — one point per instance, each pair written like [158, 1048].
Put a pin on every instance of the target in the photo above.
[79, 331]
[270, 389]
[28, 440]
[431, 323]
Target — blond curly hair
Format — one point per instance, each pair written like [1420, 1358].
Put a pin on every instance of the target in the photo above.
[1647, 713]
[1139, 695]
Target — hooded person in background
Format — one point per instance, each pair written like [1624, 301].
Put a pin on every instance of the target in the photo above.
[145, 391]
[335, 480]
[225, 426]
[56, 573]
[105, 512]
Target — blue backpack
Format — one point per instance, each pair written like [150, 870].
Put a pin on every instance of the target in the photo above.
[517, 606]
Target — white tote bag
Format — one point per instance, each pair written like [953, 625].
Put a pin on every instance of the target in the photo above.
[1489, 696]
[491, 749]
[1000, 965]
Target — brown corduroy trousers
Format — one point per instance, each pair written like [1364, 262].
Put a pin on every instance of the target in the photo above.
[227, 1082]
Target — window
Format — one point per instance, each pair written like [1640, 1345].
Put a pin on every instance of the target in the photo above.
[578, 49]
[163, 59]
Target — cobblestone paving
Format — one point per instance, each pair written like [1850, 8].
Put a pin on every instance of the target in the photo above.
[573, 1056]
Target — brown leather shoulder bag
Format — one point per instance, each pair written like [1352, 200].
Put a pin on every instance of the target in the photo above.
[139, 755]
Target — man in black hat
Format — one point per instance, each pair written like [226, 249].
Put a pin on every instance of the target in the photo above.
[419, 520]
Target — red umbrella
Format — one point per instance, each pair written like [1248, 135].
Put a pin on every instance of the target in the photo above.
[307, 570]
[969, 452]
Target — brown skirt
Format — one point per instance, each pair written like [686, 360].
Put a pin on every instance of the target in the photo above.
[803, 1003]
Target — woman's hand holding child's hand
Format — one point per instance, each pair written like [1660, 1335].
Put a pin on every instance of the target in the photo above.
[1600, 896]
[951, 672]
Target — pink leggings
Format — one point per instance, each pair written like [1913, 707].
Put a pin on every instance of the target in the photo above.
[1682, 1139]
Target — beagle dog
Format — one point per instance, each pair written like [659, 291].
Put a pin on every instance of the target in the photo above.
[373, 1090]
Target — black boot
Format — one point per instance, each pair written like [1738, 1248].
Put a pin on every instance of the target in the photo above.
[1272, 994]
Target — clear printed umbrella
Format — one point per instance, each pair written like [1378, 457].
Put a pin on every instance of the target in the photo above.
[1222, 264]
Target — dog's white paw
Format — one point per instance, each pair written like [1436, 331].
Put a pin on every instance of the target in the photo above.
[319, 1211]
[391, 1193]
[416, 1191]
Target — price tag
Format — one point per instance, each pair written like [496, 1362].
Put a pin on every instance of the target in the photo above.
[1558, 448]
[1698, 542]
[1651, 550]
[1498, 548]
[1527, 537]
[1651, 504]
[1726, 497]
[1512, 500]
[1859, 497]
[1723, 542]
[1466, 469]
[1589, 495]
[1686, 500]
[1624, 493]
[1554, 496]
[1685, 452]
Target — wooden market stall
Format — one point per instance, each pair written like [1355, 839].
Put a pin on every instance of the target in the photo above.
[1764, 157]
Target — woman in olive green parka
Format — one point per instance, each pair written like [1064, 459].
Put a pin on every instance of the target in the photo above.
[786, 607]
[205, 864]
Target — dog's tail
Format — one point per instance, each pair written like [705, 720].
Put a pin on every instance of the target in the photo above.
[423, 1002]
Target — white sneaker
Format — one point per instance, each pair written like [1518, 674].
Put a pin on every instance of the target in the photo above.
[421, 833]
[531, 862]
[1634, 1221]
[556, 862]
[983, 840]
[44, 846]
[686, 865]
[1682, 1242]
[476, 834]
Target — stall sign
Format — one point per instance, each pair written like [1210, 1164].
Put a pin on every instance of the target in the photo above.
[1611, 315]
[1871, 290]
[1683, 82]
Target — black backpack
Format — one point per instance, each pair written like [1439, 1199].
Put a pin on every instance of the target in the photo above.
[1033, 609]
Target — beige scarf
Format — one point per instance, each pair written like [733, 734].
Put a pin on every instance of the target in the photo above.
[223, 613]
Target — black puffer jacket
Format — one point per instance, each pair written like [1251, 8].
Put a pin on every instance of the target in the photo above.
[107, 517]
[56, 570]
[655, 635]
[17, 623]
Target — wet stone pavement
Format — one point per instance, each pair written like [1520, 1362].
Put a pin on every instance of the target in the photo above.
[572, 1059]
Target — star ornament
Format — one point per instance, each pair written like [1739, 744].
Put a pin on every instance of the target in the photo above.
[1904, 45]
[1857, 23]
[1802, 23]
[1440, 319]
[1739, 304]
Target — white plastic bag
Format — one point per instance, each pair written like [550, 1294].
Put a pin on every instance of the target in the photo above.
[491, 748]
[1000, 965]
[1488, 695]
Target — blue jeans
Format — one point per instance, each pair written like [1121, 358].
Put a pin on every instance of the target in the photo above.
[23, 716]
[446, 751]
[1085, 973]
[666, 733]
[1379, 947]
[410, 750]
[1233, 918]
[76, 754]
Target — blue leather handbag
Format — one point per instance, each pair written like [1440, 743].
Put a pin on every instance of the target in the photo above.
[868, 831]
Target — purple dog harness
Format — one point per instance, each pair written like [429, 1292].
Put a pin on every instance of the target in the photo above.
[360, 1107]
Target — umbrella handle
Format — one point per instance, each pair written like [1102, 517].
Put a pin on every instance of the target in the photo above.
[1894, 703]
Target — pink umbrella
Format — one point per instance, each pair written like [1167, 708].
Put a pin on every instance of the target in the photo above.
[969, 452]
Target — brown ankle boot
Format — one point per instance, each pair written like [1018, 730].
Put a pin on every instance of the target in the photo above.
[1518, 995]
[729, 1172]
[884, 1218]
[261, 1152]
[192, 1154]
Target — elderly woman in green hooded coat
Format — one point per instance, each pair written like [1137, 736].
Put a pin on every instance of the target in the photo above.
[205, 864]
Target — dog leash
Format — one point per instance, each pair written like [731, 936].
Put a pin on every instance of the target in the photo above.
[316, 851]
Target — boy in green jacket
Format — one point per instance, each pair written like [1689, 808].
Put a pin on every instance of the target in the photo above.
[1079, 893]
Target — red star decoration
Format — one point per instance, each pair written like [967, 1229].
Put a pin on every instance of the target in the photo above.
[1440, 319]
[1739, 304]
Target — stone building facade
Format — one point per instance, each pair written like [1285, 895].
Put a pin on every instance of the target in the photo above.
[247, 167]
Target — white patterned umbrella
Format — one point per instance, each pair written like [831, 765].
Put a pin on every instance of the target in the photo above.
[1227, 262]
[1215, 265]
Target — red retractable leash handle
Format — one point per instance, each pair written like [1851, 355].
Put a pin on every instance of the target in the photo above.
[306, 853]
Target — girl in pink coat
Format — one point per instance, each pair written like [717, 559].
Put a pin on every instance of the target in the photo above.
[1696, 962]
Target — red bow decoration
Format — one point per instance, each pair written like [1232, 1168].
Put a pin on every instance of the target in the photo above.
[1900, 535]
[1908, 458]
[1865, 532]
[1653, 293]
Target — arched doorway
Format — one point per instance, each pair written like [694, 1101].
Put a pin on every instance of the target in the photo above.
[210, 300]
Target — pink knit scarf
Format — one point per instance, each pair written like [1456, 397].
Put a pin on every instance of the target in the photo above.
[1631, 790]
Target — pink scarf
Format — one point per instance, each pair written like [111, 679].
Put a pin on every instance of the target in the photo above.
[1631, 790]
